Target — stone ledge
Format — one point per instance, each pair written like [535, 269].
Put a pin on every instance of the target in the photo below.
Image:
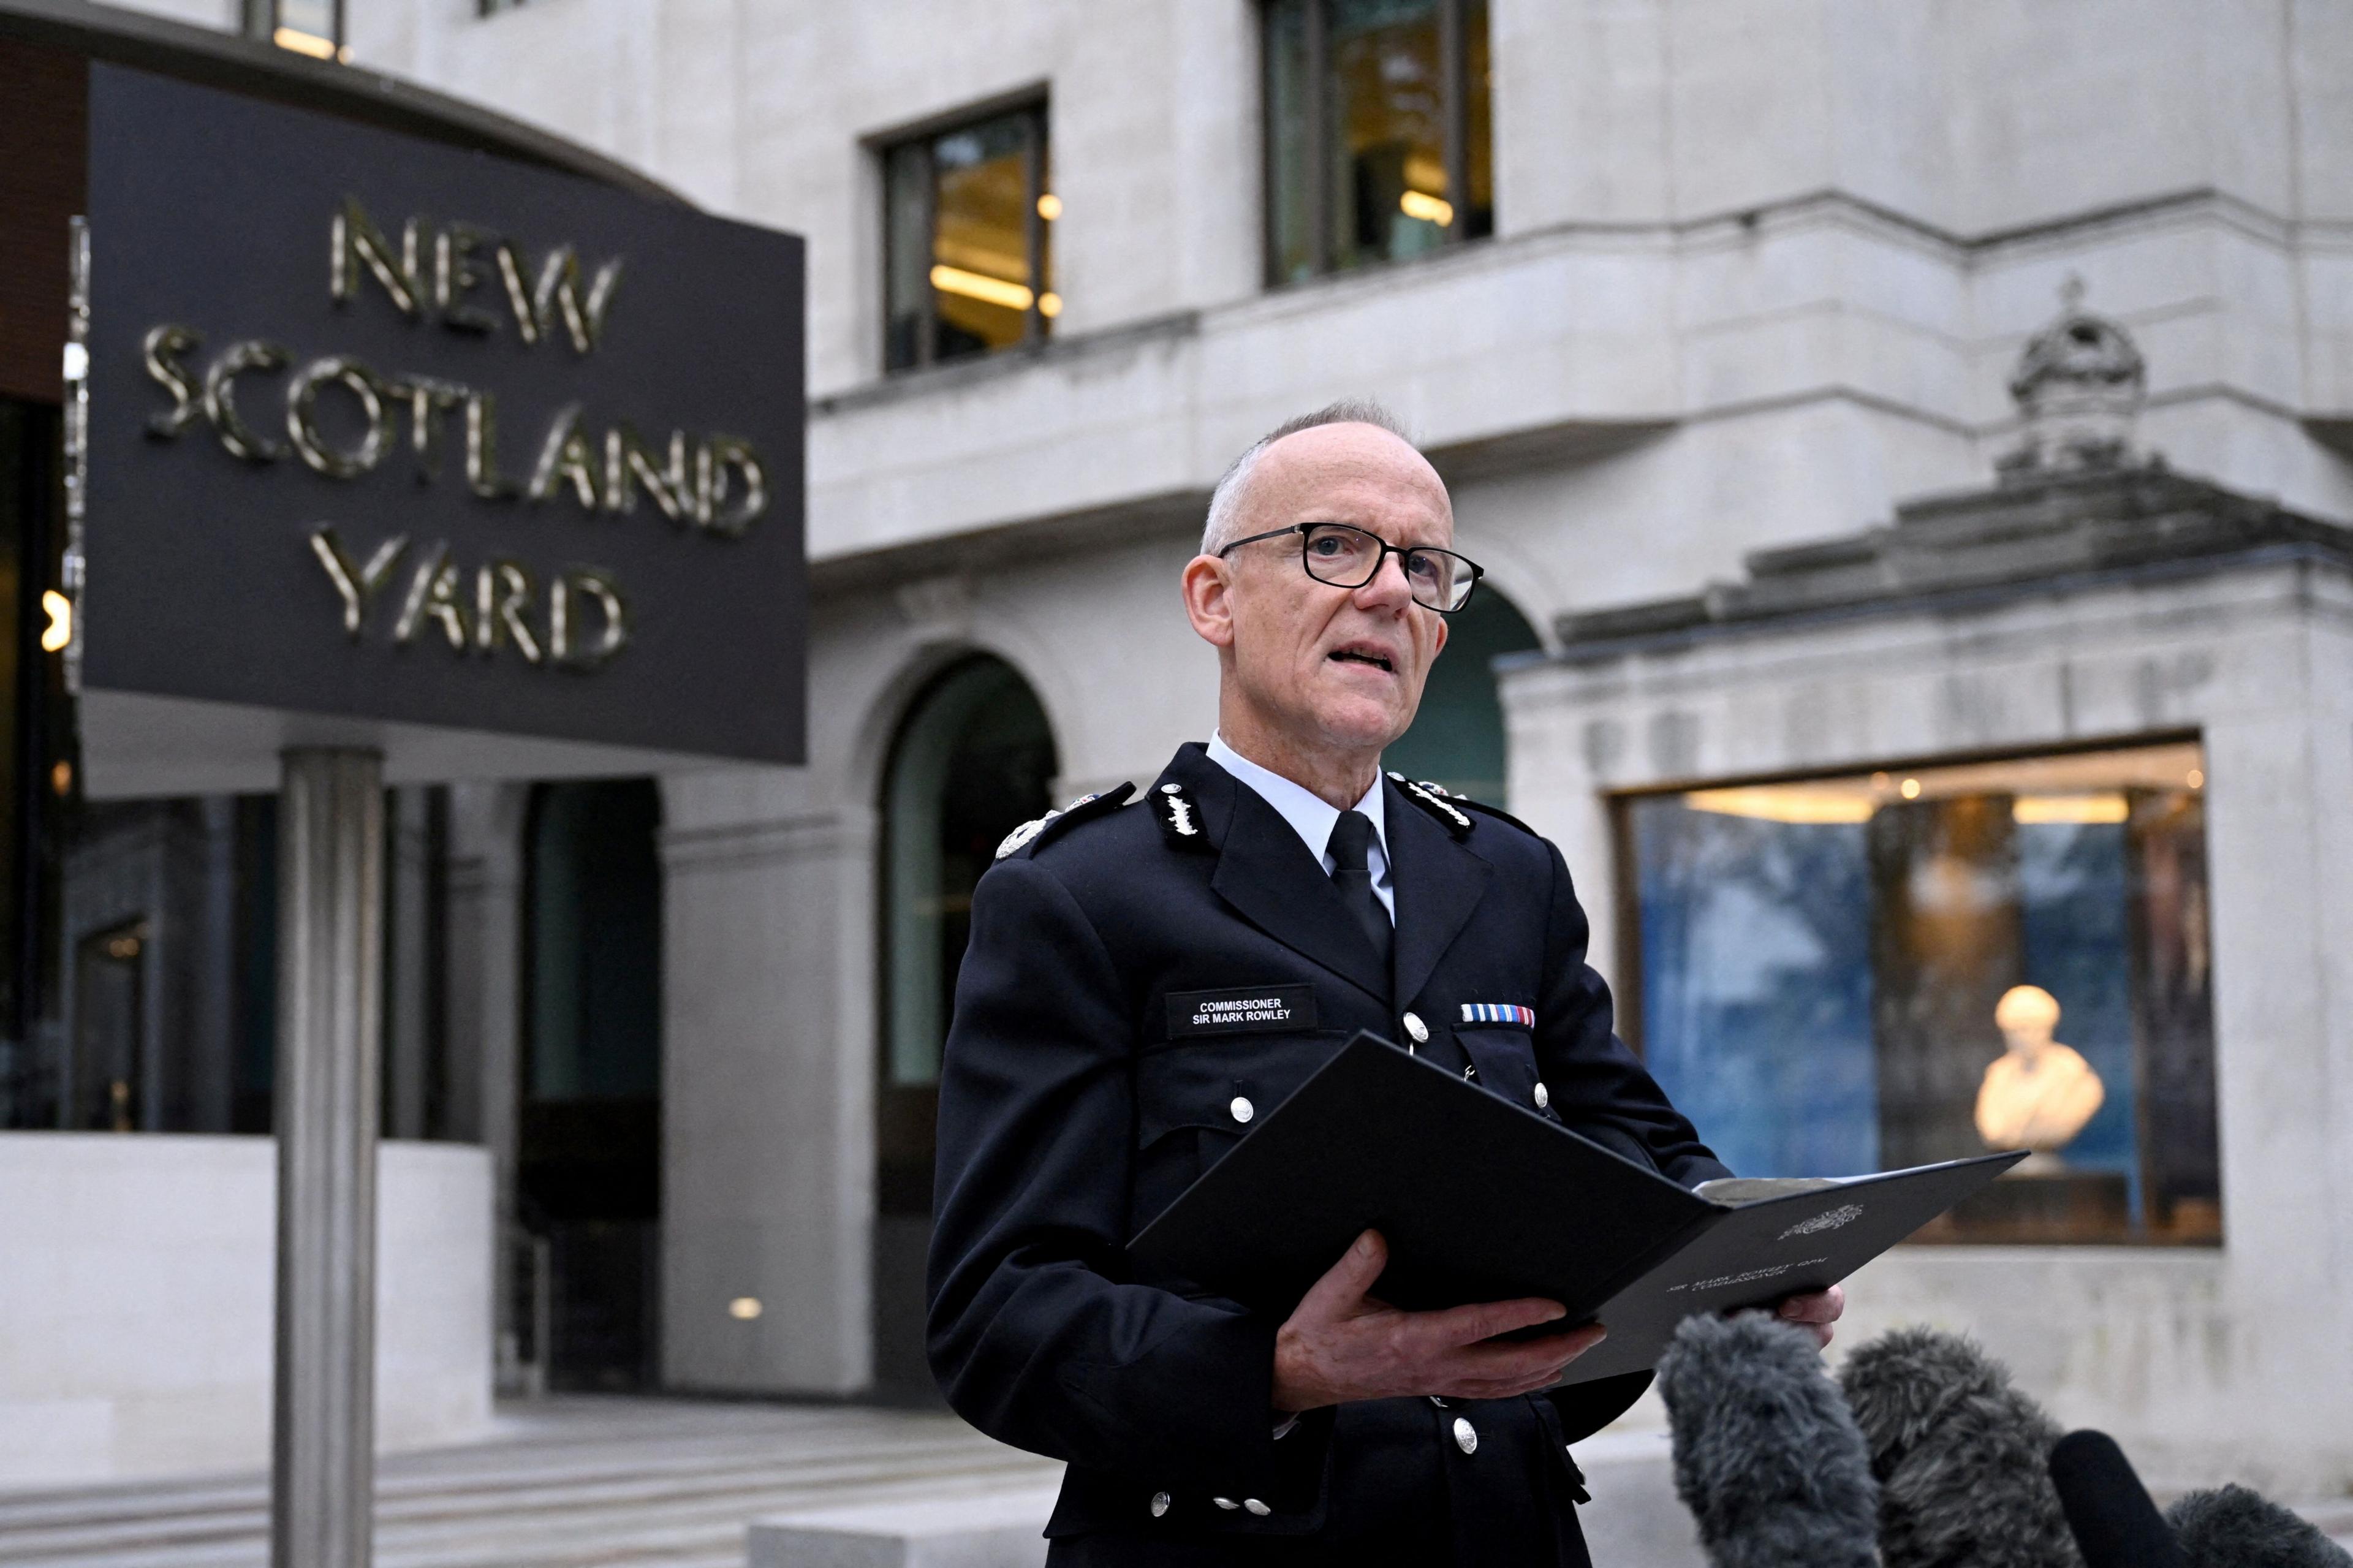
[981, 1530]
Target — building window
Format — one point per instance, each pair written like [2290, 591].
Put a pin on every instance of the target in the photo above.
[1378, 136]
[1872, 971]
[314, 27]
[968, 217]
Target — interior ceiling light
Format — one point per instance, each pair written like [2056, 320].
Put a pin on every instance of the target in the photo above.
[58, 632]
[1783, 804]
[980, 285]
[1427, 208]
[1050, 206]
[2110, 807]
[310, 44]
[744, 1308]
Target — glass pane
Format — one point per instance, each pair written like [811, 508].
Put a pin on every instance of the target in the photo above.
[1479, 149]
[1872, 971]
[980, 238]
[1289, 151]
[1757, 985]
[907, 262]
[1387, 131]
[974, 763]
[315, 18]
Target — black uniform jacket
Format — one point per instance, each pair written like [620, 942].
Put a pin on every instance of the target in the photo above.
[1076, 1102]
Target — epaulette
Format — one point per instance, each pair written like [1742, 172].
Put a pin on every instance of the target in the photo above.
[1179, 816]
[1033, 834]
[1435, 800]
[1497, 812]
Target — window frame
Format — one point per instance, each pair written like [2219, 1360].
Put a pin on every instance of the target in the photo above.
[1627, 977]
[1031, 103]
[1454, 65]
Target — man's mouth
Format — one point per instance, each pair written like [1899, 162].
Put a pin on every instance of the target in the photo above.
[1363, 656]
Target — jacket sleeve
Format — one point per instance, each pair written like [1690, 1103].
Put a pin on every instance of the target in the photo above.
[1037, 1333]
[1598, 1086]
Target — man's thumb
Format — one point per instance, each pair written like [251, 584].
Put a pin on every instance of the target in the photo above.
[1359, 1267]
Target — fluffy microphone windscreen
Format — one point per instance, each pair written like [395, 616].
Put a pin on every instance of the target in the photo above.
[1959, 1454]
[2233, 1528]
[2115, 1524]
[1767, 1457]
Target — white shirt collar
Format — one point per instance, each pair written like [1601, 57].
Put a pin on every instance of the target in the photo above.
[1310, 814]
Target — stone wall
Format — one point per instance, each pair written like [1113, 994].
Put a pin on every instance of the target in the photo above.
[136, 1302]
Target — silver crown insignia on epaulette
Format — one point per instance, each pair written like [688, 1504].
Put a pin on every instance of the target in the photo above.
[1433, 796]
[1029, 830]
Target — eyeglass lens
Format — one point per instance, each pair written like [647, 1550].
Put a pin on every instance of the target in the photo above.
[1347, 557]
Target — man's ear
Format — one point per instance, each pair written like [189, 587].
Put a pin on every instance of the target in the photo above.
[1208, 585]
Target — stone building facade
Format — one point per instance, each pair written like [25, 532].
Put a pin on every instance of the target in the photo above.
[1693, 286]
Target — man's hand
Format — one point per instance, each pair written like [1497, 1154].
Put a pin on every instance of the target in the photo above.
[1341, 1344]
[1816, 1310]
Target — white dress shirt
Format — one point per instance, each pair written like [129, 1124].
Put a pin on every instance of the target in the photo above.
[1313, 817]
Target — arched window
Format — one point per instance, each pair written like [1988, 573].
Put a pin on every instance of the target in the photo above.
[1457, 738]
[973, 760]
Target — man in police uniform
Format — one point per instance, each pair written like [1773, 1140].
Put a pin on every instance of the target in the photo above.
[1143, 980]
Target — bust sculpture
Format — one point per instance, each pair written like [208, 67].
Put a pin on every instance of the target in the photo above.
[2037, 1093]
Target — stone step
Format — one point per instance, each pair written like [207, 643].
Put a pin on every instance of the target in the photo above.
[996, 1530]
[563, 1483]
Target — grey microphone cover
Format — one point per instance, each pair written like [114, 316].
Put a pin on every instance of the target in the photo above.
[2231, 1526]
[1766, 1455]
[1960, 1455]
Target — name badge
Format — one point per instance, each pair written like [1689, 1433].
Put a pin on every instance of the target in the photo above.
[1246, 1010]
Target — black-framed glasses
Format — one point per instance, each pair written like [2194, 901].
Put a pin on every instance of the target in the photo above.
[1346, 556]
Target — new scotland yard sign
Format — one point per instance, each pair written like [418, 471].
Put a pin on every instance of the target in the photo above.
[393, 444]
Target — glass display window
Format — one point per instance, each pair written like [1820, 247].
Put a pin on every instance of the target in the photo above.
[1873, 970]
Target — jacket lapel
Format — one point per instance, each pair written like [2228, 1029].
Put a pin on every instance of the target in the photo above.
[1266, 873]
[1439, 882]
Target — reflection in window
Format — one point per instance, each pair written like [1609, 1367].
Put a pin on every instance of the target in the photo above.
[1868, 971]
[1378, 130]
[968, 217]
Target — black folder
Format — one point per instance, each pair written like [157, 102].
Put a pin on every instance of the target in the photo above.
[1481, 1200]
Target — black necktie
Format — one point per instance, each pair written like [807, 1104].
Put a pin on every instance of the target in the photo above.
[1351, 836]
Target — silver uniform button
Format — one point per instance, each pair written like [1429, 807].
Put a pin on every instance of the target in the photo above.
[1243, 1108]
[1172, 789]
[1466, 1437]
[1159, 1504]
[1227, 1503]
[1544, 1096]
[1416, 1029]
[1256, 1507]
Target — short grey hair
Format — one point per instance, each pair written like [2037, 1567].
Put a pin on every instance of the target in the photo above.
[1224, 524]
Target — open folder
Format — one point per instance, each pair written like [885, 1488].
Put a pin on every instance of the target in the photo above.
[1481, 1200]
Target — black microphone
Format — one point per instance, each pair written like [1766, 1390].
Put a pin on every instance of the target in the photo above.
[2115, 1523]
[2231, 1526]
[1960, 1454]
[1767, 1457]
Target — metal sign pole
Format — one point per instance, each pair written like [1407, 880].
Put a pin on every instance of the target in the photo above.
[329, 1022]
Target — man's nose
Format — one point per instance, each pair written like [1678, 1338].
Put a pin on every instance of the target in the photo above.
[1389, 586]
